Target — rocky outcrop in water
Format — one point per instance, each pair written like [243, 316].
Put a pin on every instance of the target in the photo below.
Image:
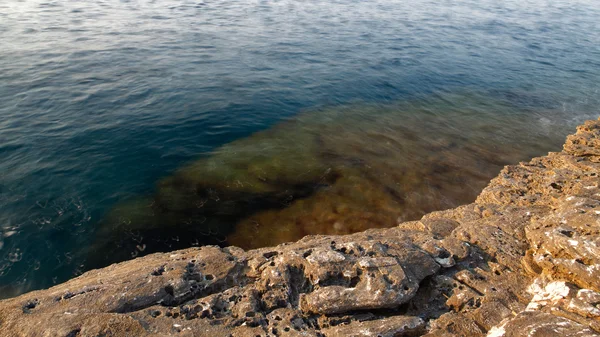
[522, 260]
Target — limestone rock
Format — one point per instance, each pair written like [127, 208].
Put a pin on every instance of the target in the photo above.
[521, 261]
[388, 327]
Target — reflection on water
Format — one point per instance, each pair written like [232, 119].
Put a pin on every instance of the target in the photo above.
[331, 171]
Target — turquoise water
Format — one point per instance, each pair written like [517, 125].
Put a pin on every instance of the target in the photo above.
[99, 100]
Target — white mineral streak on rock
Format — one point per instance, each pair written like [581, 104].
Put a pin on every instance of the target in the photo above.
[446, 263]
[497, 331]
[325, 256]
[550, 294]
[585, 303]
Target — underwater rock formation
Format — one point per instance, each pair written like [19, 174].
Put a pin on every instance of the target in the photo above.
[522, 260]
[333, 171]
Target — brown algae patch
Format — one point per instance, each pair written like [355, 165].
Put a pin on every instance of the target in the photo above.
[332, 171]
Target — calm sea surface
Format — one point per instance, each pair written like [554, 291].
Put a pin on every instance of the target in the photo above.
[105, 104]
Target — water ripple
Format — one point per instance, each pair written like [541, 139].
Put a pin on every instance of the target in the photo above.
[100, 99]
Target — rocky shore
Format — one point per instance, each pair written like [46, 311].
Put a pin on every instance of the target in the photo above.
[522, 260]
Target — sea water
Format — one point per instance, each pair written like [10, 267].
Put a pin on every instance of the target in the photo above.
[130, 127]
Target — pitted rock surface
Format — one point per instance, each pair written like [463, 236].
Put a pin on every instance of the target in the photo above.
[522, 260]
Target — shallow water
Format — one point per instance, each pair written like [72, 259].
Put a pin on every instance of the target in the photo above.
[102, 103]
[331, 171]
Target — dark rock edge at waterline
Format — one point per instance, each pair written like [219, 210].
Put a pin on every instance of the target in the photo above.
[522, 260]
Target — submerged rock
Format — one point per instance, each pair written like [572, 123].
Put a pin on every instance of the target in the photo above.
[335, 171]
[519, 261]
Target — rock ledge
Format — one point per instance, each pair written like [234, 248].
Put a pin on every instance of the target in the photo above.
[522, 260]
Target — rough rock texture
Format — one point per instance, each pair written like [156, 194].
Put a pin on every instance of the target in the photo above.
[522, 260]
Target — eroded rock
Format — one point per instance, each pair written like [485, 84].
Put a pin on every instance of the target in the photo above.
[520, 261]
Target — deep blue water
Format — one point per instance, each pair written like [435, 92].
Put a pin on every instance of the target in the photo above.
[100, 99]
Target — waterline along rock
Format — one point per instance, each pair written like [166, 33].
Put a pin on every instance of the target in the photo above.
[522, 260]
